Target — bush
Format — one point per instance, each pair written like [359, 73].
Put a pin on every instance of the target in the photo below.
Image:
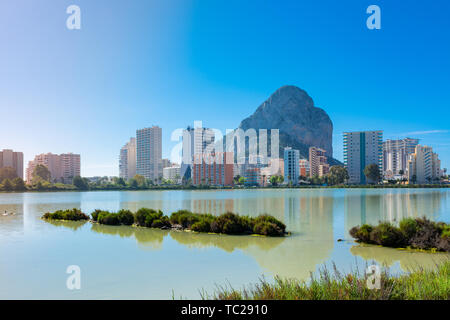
[95, 214]
[270, 219]
[268, 229]
[163, 222]
[417, 233]
[409, 227]
[387, 235]
[362, 233]
[72, 215]
[201, 226]
[126, 217]
[108, 218]
[144, 217]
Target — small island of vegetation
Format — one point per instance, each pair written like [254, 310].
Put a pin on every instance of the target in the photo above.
[227, 223]
[416, 233]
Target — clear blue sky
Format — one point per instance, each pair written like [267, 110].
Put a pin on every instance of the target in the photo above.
[138, 63]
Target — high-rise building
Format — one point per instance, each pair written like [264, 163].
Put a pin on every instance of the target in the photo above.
[195, 141]
[11, 159]
[360, 150]
[213, 169]
[63, 168]
[127, 160]
[149, 153]
[395, 156]
[317, 162]
[172, 173]
[291, 165]
[304, 167]
[424, 166]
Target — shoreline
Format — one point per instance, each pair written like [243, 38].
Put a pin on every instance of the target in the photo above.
[170, 188]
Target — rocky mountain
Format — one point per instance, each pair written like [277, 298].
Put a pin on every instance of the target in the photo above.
[301, 124]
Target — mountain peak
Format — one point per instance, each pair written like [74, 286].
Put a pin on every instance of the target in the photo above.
[301, 124]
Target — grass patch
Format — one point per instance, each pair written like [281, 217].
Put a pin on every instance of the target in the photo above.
[416, 285]
[416, 233]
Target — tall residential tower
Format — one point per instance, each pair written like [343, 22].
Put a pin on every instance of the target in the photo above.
[149, 153]
[127, 160]
[360, 150]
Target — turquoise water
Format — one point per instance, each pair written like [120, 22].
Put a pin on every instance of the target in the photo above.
[135, 263]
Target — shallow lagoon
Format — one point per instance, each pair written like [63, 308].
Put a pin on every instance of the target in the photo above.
[136, 263]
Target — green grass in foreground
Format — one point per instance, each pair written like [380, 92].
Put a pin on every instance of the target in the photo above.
[416, 285]
[227, 223]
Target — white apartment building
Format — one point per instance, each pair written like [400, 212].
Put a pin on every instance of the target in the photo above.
[127, 160]
[172, 173]
[424, 166]
[360, 150]
[396, 155]
[9, 158]
[196, 141]
[149, 153]
[63, 168]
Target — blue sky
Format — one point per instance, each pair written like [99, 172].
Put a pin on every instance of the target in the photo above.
[139, 63]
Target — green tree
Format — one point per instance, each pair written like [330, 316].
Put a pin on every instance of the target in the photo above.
[18, 184]
[7, 185]
[41, 172]
[133, 183]
[7, 173]
[140, 180]
[372, 173]
[242, 181]
[80, 183]
[337, 175]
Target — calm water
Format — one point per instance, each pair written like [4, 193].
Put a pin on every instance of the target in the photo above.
[134, 263]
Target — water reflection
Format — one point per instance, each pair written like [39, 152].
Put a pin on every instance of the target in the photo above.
[373, 206]
[409, 260]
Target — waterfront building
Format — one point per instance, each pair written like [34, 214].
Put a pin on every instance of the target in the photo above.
[396, 155]
[424, 166]
[360, 150]
[196, 141]
[291, 165]
[166, 163]
[275, 168]
[127, 160]
[149, 153]
[304, 167]
[11, 159]
[172, 173]
[63, 168]
[318, 162]
[213, 169]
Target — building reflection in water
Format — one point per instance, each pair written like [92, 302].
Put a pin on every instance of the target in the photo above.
[373, 206]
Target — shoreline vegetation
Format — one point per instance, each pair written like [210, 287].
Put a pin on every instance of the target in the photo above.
[227, 223]
[411, 233]
[71, 188]
[418, 284]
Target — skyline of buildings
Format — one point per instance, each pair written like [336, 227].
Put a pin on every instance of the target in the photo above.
[396, 159]
[63, 168]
